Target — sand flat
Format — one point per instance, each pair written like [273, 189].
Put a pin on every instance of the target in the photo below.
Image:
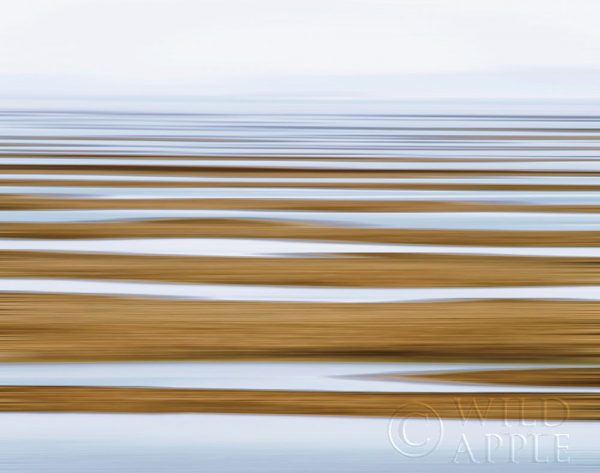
[573, 376]
[375, 271]
[506, 406]
[46, 327]
[235, 228]
[29, 202]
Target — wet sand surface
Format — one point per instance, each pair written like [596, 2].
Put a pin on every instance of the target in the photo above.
[573, 376]
[58, 327]
[523, 184]
[21, 202]
[234, 228]
[505, 406]
[357, 270]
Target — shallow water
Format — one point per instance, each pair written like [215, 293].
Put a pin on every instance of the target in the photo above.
[336, 129]
[267, 248]
[185, 443]
[198, 143]
[532, 221]
[500, 197]
[495, 180]
[234, 292]
[538, 166]
[287, 376]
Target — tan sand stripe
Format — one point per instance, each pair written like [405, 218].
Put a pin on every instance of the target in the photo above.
[557, 407]
[37, 327]
[583, 377]
[231, 228]
[387, 270]
[27, 202]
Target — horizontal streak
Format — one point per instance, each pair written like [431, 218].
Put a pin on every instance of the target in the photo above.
[269, 248]
[231, 292]
[288, 376]
[568, 165]
[377, 271]
[531, 221]
[41, 202]
[125, 193]
[231, 228]
[575, 375]
[559, 407]
[59, 327]
[485, 181]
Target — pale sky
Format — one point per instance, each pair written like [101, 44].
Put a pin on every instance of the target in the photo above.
[209, 47]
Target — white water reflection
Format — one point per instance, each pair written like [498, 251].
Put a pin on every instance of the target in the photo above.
[288, 376]
[267, 248]
[492, 180]
[568, 166]
[531, 221]
[317, 128]
[234, 292]
[185, 443]
[506, 197]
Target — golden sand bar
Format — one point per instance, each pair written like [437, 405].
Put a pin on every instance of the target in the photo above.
[514, 406]
[26, 202]
[37, 327]
[385, 270]
[584, 376]
[231, 228]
